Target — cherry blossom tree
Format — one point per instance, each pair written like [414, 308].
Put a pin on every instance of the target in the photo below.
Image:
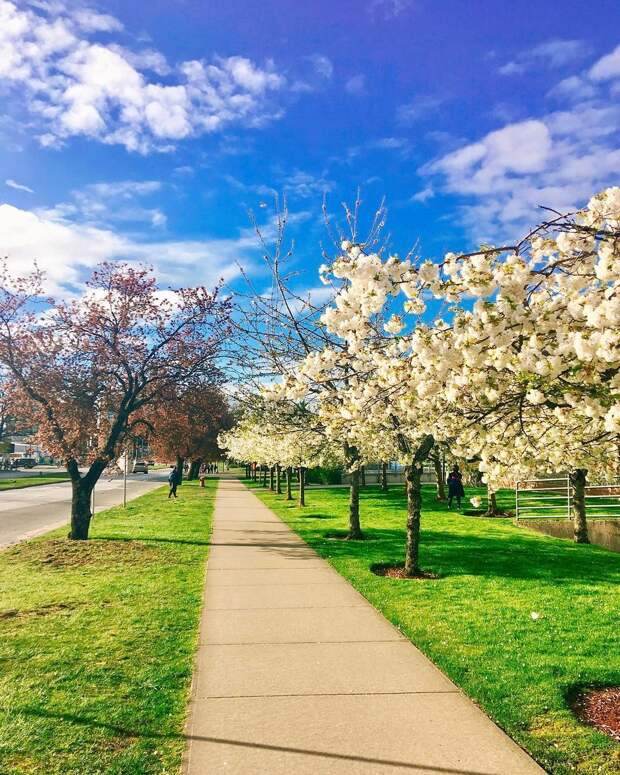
[86, 368]
[523, 373]
[185, 425]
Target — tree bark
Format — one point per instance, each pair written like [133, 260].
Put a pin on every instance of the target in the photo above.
[578, 480]
[194, 467]
[263, 475]
[413, 478]
[384, 478]
[363, 476]
[255, 472]
[271, 479]
[355, 529]
[441, 487]
[492, 508]
[180, 464]
[413, 482]
[278, 480]
[302, 486]
[81, 497]
[81, 513]
[289, 484]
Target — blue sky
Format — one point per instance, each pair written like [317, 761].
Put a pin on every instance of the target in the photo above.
[145, 131]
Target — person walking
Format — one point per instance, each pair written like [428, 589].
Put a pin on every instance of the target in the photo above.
[455, 487]
[202, 473]
[174, 480]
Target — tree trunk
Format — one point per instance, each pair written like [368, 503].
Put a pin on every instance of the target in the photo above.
[413, 477]
[289, 484]
[255, 472]
[441, 487]
[578, 479]
[278, 479]
[363, 476]
[384, 478]
[355, 530]
[352, 458]
[194, 467]
[81, 513]
[264, 475]
[180, 464]
[271, 479]
[492, 508]
[302, 487]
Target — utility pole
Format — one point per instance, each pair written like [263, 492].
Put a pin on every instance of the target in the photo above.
[125, 480]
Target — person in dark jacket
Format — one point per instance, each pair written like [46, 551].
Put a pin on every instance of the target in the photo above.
[455, 487]
[174, 479]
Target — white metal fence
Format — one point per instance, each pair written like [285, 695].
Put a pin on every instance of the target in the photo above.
[553, 499]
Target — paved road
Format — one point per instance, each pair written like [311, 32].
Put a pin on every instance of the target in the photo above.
[36, 471]
[298, 673]
[35, 510]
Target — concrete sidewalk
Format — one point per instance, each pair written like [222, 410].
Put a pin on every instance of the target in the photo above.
[298, 673]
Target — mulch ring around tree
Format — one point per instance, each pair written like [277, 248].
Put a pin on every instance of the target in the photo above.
[65, 553]
[397, 571]
[599, 707]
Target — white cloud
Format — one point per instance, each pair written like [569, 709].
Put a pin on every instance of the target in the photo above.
[305, 186]
[424, 195]
[420, 108]
[322, 65]
[105, 203]
[607, 67]
[356, 85]
[388, 9]
[74, 86]
[93, 21]
[558, 160]
[559, 52]
[512, 68]
[553, 53]
[68, 251]
[18, 186]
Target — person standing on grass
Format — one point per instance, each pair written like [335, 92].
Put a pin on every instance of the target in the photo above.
[174, 480]
[455, 487]
[202, 473]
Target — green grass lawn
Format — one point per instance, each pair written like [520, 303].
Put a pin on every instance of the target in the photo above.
[475, 621]
[32, 481]
[97, 640]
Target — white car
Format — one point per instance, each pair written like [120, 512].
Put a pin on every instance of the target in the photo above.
[139, 467]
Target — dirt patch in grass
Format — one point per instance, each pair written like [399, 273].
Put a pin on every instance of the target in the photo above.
[600, 708]
[44, 610]
[64, 553]
[397, 571]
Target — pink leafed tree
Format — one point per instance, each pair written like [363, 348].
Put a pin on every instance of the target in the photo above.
[86, 369]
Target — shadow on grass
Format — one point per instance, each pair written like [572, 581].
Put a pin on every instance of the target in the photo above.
[500, 555]
[151, 540]
[331, 755]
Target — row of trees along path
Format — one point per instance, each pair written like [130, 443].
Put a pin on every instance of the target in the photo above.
[508, 356]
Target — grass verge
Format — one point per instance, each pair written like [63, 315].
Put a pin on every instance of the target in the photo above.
[32, 481]
[475, 621]
[97, 640]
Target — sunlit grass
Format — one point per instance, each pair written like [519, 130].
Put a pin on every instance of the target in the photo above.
[475, 621]
[97, 640]
[32, 481]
